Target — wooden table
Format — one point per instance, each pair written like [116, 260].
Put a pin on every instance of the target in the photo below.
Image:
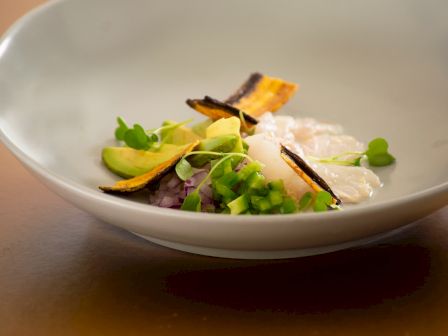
[63, 272]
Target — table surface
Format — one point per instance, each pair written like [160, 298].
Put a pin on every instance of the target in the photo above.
[64, 272]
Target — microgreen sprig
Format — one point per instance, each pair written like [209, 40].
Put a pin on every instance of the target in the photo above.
[377, 154]
[137, 138]
[134, 137]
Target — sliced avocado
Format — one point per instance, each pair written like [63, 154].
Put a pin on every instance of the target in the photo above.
[128, 162]
[155, 174]
[224, 126]
[201, 127]
[181, 135]
[221, 144]
[227, 126]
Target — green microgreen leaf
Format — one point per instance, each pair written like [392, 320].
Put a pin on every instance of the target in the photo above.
[305, 201]
[377, 153]
[322, 201]
[192, 202]
[121, 129]
[184, 169]
[136, 138]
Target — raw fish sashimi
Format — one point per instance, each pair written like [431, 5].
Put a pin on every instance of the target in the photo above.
[311, 139]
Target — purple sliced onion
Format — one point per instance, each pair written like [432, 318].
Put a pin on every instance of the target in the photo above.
[172, 190]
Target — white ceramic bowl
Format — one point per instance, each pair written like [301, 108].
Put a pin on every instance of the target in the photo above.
[69, 68]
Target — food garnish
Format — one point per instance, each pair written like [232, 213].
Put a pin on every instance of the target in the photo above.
[215, 110]
[137, 138]
[260, 94]
[307, 173]
[244, 160]
[377, 154]
[155, 174]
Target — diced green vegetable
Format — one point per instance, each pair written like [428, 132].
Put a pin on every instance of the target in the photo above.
[230, 179]
[277, 185]
[224, 191]
[275, 197]
[255, 181]
[238, 205]
[224, 168]
[260, 203]
[320, 207]
[305, 201]
[289, 206]
[263, 191]
[246, 191]
[255, 200]
[322, 201]
[248, 169]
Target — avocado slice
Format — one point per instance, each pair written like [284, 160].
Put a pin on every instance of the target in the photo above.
[128, 162]
[178, 136]
[155, 174]
[201, 127]
[222, 144]
[224, 127]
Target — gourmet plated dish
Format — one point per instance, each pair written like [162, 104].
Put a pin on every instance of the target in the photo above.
[244, 159]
